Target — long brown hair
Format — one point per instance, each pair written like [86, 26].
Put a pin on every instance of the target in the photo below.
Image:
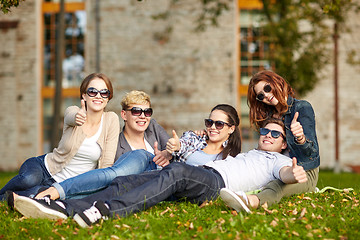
[233, 146]
[259, 111]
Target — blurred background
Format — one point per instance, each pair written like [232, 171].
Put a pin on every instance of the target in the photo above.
[188, 55]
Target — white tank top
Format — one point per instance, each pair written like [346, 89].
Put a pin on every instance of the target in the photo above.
[85, 159]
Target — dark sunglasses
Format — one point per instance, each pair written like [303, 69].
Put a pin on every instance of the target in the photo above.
[260, 97]
[218, 124]
[92, 92]
[136, 111]
[274, 133]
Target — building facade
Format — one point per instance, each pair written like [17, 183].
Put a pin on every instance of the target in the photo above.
[185, 72]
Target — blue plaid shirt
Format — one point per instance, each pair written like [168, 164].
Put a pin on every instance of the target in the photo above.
[189, 143]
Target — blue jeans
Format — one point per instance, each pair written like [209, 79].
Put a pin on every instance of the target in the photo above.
[132, 162]
[128, 194]
[32, 176]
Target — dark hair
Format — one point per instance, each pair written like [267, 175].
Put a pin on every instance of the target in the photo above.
[233, 147]
[260, 111]
[85, 83]
[278, 122]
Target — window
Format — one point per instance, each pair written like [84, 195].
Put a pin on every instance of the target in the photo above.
[254, 53]
[72, 64]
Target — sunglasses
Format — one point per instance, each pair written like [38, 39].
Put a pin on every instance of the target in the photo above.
[136, 111]
[92, 92]
[260, 97]
[218, 124]
[274, 133]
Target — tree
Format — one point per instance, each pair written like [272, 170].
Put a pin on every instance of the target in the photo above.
[5, 5]
[298, 31]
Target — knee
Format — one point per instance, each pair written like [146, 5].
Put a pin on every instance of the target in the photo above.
[177, 170]
[29, 180]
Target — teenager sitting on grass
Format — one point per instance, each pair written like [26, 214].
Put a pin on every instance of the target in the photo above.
[134, 193]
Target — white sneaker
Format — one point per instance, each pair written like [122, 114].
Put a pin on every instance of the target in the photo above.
[40, 208]
[99, 210]
[235, 201]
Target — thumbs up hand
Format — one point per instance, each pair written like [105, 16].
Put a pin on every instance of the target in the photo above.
[297, 129]
[80, 117]
[173, 143]
[162, 158]
[298, 172]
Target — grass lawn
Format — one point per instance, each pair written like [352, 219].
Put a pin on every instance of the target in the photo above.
[328, 215]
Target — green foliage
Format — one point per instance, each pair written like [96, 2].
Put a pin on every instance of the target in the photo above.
[329, 215]
[298, 30]
[300, 37]
[5, 5]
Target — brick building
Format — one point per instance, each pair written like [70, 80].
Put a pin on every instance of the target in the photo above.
[185, 72]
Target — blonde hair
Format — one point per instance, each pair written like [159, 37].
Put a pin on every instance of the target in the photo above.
[135, 97]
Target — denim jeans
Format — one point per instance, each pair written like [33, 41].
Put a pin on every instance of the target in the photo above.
[32, 176]
[132, 162]
[129, 194]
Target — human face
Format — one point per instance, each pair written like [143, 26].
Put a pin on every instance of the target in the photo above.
[219, 135]
[269, 97]
[270, 144]
[136, 123]
[96, 103]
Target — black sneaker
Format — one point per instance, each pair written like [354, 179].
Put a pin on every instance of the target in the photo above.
[92, 215]
[40, 208]
[9, 196]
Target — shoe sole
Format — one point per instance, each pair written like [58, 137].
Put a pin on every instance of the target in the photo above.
[233, 201]
[32, 209]
[80, 221]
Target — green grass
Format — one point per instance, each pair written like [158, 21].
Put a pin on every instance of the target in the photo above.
[329, 215]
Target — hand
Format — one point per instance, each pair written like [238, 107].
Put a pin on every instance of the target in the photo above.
[298, 172]
[173, 143]
[162, 158]
[297, 129]
[80, 117]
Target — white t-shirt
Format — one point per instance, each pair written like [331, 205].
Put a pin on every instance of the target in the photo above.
[147, 146]
[250, 171]
[85, 159]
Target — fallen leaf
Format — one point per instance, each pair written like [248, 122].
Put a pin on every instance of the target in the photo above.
[125, 226]
[295, 233]
[235, 213]
[273, 223]
[303, 212]
[191, 226]
[294, 212]
[204, 204]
